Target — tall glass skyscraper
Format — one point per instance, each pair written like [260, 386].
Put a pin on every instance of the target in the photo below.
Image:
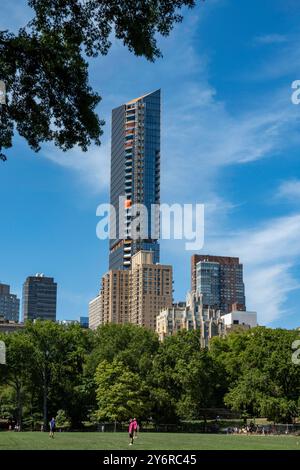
[135, 176]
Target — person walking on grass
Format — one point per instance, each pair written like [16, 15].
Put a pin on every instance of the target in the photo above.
[135, 428]
[52, 428]
[131, 431]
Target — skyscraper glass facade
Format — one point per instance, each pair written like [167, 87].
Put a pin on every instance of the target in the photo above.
[220, 281]
[208, 283]
[84, 322]
[135, 175]
[9, 304]
[39, 298]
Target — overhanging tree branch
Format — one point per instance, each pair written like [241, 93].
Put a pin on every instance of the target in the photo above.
[46, 74]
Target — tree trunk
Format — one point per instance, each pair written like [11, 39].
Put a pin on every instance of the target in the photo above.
[20, 407]
[45, 400]
[205, 423]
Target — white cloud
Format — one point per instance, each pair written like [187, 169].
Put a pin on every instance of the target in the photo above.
[268, 289]
[283, 63]
[277, 239]
[290, 189]
[270, 39]
[201, 137]
[269, 253]
[91, 167]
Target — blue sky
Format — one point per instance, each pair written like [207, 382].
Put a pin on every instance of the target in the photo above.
[230, 140]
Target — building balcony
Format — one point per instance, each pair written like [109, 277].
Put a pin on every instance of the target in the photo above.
[130, 126]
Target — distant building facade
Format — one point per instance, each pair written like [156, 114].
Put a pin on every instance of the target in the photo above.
[39, 298]
[172, 319]
[151, 289]
[135, 175]
[9, 304]
[10, 326]
[193, 316]
[115, 297]
[84, 322]
[95, 312]
[68, 322]
[237, 320]
[133, 296]
[220, 280]
[208, 321]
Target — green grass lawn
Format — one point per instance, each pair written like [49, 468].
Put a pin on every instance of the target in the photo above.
[146, 441]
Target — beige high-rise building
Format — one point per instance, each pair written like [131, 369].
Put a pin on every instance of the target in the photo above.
[115, 293]
[95, 312]
[136, 295]
[151, 289]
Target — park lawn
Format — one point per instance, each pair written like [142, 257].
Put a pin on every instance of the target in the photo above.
[146, 441]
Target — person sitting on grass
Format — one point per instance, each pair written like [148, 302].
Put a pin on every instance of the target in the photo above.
[131, 432]
[52, 428]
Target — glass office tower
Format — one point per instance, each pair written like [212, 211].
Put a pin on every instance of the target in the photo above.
[220, 280]
[9, 304]
[208, 283]
[135, 176]
[39, 298]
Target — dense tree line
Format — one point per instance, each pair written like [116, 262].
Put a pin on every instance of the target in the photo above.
[81, 376]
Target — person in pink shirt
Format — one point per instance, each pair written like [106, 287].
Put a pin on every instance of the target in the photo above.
[135, 428]
[131, 431]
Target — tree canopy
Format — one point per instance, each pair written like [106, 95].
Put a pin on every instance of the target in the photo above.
[121, 393]
[122, 371]
[45, 64]
[262, 380]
